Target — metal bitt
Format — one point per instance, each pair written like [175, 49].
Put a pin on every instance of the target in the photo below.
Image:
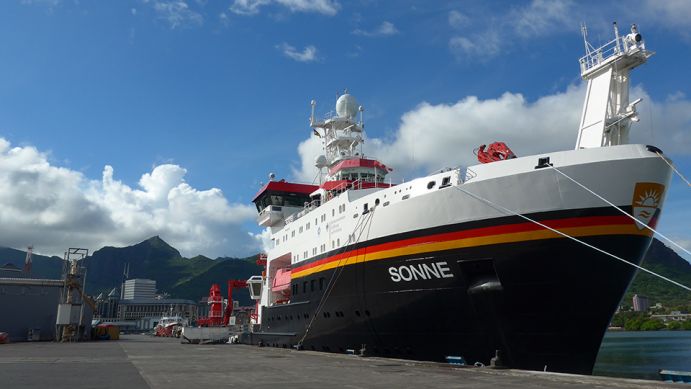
[497, 361]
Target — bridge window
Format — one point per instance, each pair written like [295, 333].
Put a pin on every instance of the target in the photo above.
[446, 181]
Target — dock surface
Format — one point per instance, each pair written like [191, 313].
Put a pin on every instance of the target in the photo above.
[141, 361]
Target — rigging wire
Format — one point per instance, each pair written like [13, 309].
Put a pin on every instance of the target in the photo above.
[338, 271]
[621, 210]
[506, 210]
[674, 168]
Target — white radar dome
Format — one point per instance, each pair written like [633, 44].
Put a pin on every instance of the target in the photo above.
[320, 162]
[347, 106]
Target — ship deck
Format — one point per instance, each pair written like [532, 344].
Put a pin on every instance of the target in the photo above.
[140, 361]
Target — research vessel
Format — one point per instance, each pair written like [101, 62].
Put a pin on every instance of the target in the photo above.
[521, 259]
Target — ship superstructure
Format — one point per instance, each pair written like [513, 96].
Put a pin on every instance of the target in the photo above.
[492, 259]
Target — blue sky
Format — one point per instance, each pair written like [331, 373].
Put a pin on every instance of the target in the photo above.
[125, 119]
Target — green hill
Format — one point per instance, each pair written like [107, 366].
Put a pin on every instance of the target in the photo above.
[222, 270]
[664, 261]
[41, 265]
[181, 277]
[191, 278]
[153, 258]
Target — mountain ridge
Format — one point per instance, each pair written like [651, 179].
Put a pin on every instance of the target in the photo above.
[191, 278]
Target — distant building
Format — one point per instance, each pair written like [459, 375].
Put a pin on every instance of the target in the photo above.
[673, 316]
[640, 303]
[148, 312]
[10, 271]
[107, 306]
[138, 288]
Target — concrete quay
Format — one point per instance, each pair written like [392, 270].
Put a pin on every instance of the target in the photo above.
[141, 361]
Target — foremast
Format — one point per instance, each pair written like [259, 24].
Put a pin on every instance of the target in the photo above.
[607, 112]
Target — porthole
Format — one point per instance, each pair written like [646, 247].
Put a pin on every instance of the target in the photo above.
[431, 184]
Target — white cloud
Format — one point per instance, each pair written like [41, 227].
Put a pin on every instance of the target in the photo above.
[53, 207]
[177, 13]
[478, 47]
[309, 54]
[50, 4]
[674, 13]
[541, 17]
[223, 18]
[253, 7]
[434, 136]
[457, 19]
[248, 7]
[536, 19]
[264, 239]
[384, 29]
[326, 7]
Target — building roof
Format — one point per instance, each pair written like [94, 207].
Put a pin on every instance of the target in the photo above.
[10, 267]
[156, 301]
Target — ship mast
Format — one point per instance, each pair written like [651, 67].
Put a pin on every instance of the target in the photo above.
[342, 134]
[607, 113]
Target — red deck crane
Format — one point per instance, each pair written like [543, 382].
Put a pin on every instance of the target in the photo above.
[232, 284]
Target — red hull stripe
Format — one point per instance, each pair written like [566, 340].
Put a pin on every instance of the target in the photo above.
[559, 224]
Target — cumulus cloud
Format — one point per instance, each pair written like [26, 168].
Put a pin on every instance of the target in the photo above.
[54, 207]
[309, 54]
[177, 13]
[253, 7]
[384, 29]
[434, 136]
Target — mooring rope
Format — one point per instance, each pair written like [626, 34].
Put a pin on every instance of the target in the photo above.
[621, 210]
[506, 210]
[674, 168]
[339, 269]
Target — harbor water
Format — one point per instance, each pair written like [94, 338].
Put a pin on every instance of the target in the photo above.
[641, 354]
